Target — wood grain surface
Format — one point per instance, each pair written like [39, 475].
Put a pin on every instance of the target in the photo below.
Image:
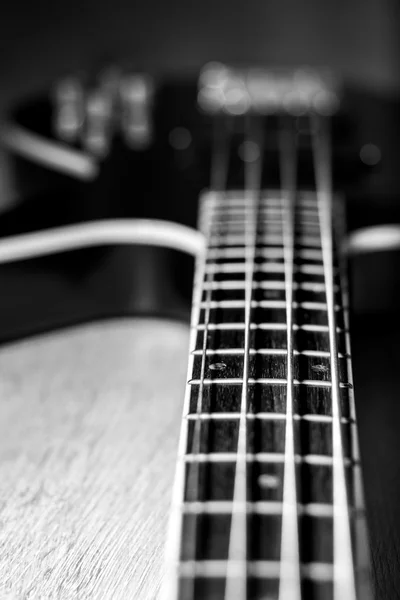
[89, 424]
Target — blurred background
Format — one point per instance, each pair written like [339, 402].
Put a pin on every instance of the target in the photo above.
[42, 41]
[360, 39]
[38, 40]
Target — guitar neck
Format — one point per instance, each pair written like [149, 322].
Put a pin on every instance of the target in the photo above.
[268, 498]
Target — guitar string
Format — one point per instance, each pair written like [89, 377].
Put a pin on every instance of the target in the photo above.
[218, 185]
[172, 578]
[344, 577]
[174, 547]
[290, 578]
[236, 568]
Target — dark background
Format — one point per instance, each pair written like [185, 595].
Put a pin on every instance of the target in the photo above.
[357, 37]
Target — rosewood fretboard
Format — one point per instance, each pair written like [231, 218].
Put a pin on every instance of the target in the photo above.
[268, 500]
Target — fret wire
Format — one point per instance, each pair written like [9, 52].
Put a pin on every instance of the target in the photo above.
[241, 267]
[268, 569]
[263, 507]
[267, 267]
[344, 575]
[236, 239]
[265, 416]
[240, 351]
[267, 381]
[236, 576]
[270, 238]
[266, 216]
[226, 215]
[222, 227]
[305, 242]
[238, 252]
[321, 306]
[306, 202]
[269, 457]
[235, 284]
[289, 573]
[270, 351]
[268, 326]
[274, 210]
[242, 303]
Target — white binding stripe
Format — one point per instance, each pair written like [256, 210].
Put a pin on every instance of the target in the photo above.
[50, 154]
[236, 571]
[380, 238]
[289, 573]
[105, 232]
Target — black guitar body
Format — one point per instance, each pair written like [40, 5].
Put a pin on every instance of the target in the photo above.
[164, 182]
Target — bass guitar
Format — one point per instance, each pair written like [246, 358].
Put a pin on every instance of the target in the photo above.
[267, 499]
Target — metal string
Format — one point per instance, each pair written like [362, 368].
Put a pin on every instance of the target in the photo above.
[344, 585]
[236, 570]
[289, 579]
[170, 590]
[219, 176]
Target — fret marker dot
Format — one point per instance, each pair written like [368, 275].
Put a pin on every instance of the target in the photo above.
[370, 154]
[272, 294]
[249, 151]
[180, 138]
[268, 481]
[219, 366]
[320, 368]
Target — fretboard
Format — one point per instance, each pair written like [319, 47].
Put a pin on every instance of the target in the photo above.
[268, 499]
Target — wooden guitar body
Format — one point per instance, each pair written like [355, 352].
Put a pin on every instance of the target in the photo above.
[87, 461]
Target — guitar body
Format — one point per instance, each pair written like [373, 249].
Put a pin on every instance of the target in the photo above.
[87, 463]
[91, 413]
